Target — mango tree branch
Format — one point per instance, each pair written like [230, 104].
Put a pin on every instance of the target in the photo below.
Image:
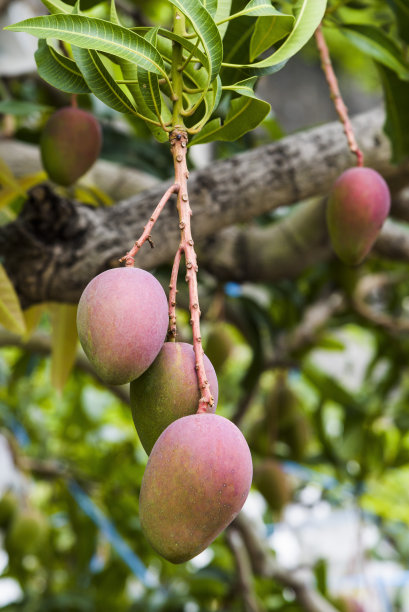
[61, 246]
[264, 565]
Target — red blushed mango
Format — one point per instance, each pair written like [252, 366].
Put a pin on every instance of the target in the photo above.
[357, 208]
[196, 481]
[167, 391]
[70, 144]
[122, 322]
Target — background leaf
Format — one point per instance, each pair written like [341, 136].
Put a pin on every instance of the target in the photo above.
[64, 340]
[379, 46]
[396, 94]
[11, 315]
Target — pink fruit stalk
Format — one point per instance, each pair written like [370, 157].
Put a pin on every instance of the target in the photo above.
[196, 481]
[167, 391]
[70, 144]
[122, 322]
[357, 208]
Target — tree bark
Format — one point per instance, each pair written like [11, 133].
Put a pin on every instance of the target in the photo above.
[56, 246]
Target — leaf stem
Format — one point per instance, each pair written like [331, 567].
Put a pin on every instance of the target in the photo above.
[178, 143]
[129, 258]
[336, 96]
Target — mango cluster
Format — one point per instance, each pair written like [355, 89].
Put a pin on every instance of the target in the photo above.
[199, 470]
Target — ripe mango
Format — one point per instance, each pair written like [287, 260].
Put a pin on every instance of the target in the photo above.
[357, 208]
[196, 481]
[70, 144]
[167, 391]
[122, 321]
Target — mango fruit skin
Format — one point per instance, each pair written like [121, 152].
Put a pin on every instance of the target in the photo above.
[357, 208]
[196, 481]
[122, 320]
[219, 346]
[70, 144]
[167, 391]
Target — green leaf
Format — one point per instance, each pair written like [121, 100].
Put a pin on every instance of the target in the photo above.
[257, 8]
[401, 8]
[223, 11]
[57, 6]
[22, 108]
[149, 83]
[244, 88]
[7, 179]
[267, 31]
[309, 17]
[379, 46]
[244, 115]
[100, 82]
[59, 71]
[210, 6]
[64, 341]
[207, 31]
[11, 315]
[95, 34]
[396, 126]
[113, 15]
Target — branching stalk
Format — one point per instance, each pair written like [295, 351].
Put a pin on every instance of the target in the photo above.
[178, 142]
[336, 95]
[129, 258]
[171, 337]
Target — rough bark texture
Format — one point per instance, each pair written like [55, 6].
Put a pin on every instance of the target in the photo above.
[56, 246]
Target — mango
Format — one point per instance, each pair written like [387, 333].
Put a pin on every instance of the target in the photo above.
[196, 481]
[8, 508]
[70, 144]
[167, 391]
[28, 534]
[218, 346]
[122, 321]
[272, 482]
[357, 208]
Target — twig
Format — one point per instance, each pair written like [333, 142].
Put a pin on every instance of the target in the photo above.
[171, 337]
[368, 287]
[244, 572]
[129, 258]
[336, 95]
[178, 142]
[264, 565]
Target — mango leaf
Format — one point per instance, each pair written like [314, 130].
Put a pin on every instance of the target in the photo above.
[210, 6]
[57, 6]
[95, 34]
[10, 193]
[223, 11]
[396, 94]
[64, 341]
[267, 31]
[59, 71]
[256, 8]
[100, 82]
[308, 18]
[244, 88]
[207, 31]
[244, 115]
[32, 318]
[22, 108]
[149, 83]
[401, 9]
[379, 46]
[7, 178]
[130, 73]
[11, 315]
